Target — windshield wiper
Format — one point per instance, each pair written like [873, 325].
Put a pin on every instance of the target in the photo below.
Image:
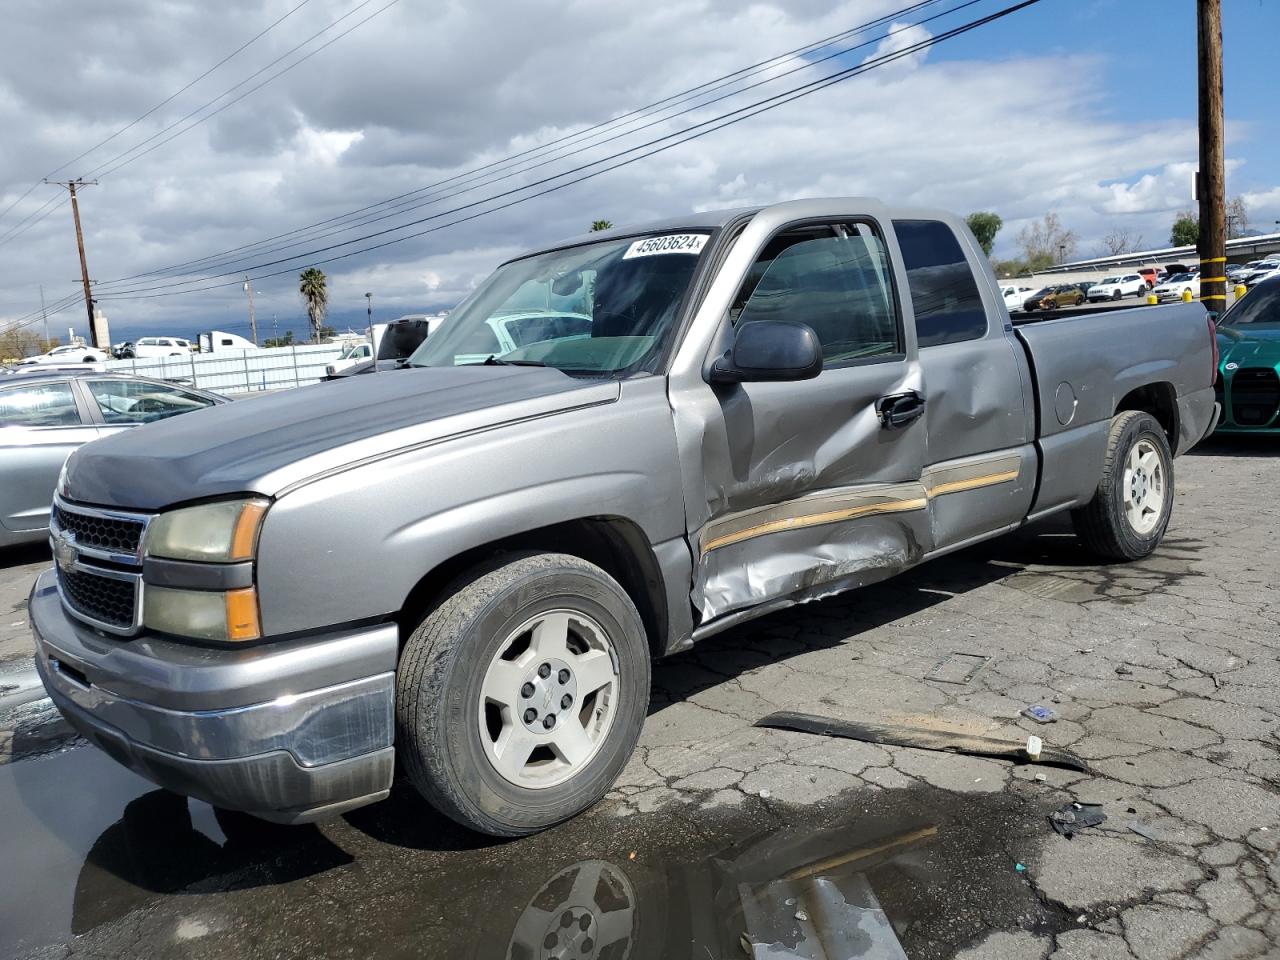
[493, 360]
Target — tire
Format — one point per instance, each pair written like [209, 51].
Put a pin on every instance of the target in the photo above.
[1106, 525]
[1116, 294]
[449, 729]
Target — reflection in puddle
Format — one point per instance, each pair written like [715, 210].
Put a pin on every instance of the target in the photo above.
[100, 856]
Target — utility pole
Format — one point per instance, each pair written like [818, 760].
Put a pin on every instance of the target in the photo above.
[44, 314]
[84, 266]
[373, 346]
[1213, 194]
[253, 321]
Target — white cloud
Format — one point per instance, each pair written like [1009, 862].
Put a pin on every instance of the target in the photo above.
[419, 96]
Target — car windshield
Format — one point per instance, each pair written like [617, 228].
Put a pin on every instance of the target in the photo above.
[1042, 292]
[597, 309]
[1108, 280]
[354, 351]
[1180, 277]
[1259, 311]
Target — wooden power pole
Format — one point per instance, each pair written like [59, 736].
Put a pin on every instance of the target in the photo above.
[1212, 186]
[84, 266]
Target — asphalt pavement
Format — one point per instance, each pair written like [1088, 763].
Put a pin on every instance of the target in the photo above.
[723, 837]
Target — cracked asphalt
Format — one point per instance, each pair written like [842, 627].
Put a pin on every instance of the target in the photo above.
[1163, 676]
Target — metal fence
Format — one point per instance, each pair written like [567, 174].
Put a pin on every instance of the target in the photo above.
[238, 371]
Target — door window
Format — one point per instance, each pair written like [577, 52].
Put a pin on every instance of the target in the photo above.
[39, 405]
[947, 304]
[835, 278]
[136, 401]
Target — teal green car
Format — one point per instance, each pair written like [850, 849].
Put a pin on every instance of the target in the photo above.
[1249, 371]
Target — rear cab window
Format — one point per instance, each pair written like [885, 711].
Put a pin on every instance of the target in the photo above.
[944, 293]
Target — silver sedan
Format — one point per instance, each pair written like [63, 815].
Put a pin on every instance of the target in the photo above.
[45, 416]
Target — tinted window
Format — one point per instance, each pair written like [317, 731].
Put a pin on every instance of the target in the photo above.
[136, 401]
[945, 296]
[401, 339]
[39, 405]
[833, 278]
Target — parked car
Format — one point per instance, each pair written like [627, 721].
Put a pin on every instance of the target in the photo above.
[1150, 274]
[1014, 295]
[46, 415]
[1050, 298]
[1113, 288]
[1260, 271]
[465, 569]
[396, 340]
[1249, 381]
[70, 353]
[1175, 286]
[145, 347]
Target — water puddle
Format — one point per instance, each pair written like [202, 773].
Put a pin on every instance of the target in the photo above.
[94, 854]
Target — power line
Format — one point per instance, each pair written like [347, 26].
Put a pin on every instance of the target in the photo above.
[240, 261]
[108, 167]
[659, 145]
[706, 87]
[167, 100]
[234, 263]
[31, 219]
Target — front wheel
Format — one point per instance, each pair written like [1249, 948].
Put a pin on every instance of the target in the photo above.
[520, 698]
[1116, 294]
[1129, 512]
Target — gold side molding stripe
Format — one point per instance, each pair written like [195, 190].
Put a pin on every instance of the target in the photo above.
[815, 520]
[930, 491]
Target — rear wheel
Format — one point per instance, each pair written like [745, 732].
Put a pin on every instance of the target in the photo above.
[521, 697]
[1129, 512]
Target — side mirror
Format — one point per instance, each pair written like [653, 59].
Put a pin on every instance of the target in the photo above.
[770, 350]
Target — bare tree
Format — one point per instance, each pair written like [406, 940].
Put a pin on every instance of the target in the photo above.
[1237, 217]
[1120, 240]
[1046, 242]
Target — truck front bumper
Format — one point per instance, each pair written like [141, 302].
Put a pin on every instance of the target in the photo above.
[292, 731]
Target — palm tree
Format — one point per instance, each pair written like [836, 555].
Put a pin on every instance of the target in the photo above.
[598, 225]
[311, 284]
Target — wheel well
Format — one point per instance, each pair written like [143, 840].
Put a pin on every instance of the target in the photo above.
[1159, 400]
[614, 544]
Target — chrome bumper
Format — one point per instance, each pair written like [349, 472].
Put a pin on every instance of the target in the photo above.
[291, 732]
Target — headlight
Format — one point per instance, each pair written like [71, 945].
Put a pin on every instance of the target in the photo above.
[202, 614]
[213, 532]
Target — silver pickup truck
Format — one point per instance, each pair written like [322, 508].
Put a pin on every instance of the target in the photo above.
[615, 447]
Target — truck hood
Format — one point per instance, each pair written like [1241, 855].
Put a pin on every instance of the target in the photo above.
[267, 443]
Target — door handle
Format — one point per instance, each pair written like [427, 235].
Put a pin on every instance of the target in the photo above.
[899, 409]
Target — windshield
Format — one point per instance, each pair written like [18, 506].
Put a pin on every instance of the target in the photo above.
[1107, 280]
[1259, 311]
[1180, 278]
[601, 308]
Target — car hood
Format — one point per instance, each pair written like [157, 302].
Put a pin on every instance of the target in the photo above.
[1251, 350]
[267, 443]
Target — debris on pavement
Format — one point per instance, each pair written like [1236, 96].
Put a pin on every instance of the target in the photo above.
[1039, 714]
[1071, 818]
[921, 738]
[958, 668]
[1034, 747]
[1145, 830]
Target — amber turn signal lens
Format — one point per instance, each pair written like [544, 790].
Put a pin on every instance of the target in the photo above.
[242, 614]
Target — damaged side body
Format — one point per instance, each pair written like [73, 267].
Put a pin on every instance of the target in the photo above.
[798, 490]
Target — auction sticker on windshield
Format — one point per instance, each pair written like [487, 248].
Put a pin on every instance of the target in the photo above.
[672, 243]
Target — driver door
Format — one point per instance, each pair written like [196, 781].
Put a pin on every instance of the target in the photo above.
[808, 490]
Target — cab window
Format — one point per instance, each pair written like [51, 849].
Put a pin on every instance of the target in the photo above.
[137, 401]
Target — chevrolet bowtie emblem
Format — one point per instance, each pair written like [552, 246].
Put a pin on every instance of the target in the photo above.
[64, 551]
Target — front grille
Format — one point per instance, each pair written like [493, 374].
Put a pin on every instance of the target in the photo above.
[108, 600]
[1255, 396]
[102, 533]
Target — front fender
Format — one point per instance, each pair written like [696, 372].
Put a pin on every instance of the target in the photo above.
[351, 546]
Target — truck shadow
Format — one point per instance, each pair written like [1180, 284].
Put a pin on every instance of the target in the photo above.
[1238, 445]
[23, 554]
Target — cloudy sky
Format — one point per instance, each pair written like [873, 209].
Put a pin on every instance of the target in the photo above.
[1083, 107]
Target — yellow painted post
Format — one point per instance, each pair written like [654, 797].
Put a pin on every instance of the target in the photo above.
[1186, 295]
[1152, 299]
[1240, 290]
